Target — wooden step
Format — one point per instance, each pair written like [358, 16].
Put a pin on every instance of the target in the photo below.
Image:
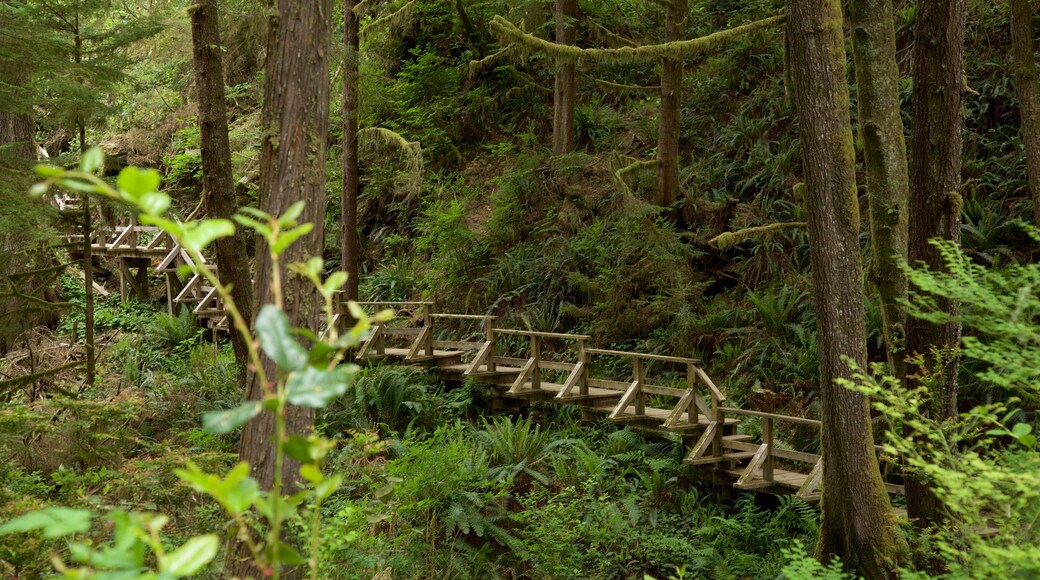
[737, 456]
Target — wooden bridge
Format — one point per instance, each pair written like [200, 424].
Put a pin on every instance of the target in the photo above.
[660, 394]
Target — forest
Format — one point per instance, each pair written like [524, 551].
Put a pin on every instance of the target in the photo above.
[392, 289]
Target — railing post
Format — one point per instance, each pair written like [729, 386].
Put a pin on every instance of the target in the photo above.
[489, 336]
[720, 422]
[692, 412]
[767, 440]
[536, 355]
[639, 375]
[428, 323]
[584, 358]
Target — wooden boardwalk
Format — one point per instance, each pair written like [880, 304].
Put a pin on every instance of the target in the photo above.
[661, 394]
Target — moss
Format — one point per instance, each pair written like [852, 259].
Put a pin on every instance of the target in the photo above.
[509, 33]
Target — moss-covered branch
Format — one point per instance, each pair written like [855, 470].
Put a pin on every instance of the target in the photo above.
[17, 382]
[395, 20]
[508, 33]
[729, 239]
[622, 172]
[370, 137]
[620, 88]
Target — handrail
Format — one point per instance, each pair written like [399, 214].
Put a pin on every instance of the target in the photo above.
[764, 415]
[463, 316]
[559, 335]
[641, 355]
[711, 384]
[377, 302]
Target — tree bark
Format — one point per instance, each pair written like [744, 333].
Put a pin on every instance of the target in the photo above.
[16, 135]
[293, 150]
[935, 205]
[1028, 92]
[858, 524]
[884, 153]
[292, 167]
[668, 122]
[564, 94]
[348, 225]
[217, 178]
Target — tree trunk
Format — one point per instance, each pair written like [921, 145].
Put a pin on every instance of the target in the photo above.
[884, 153]
[563, 96]
[668, 123]
[292, 167]
[16, 135]
[858, 524]
[217, 179]
[1028, 92]
[935, 204]
[348, 226]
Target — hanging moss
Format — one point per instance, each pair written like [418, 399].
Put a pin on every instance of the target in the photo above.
[509, 33]
[620, 88]
[372, 137]
[609, 35]
[478, 66]
[729, 239]
[394, 21]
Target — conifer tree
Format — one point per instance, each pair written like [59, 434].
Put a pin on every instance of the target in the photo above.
[217, 177]
[935, 207]
[348, 222]
[884, 153]
[292, 166]
[858, 524]
[566, 79]
[671, 98]
[1027, 88]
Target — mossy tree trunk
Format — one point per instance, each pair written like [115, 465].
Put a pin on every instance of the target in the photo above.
[884, 153]
[935, 205]
[217, 178]
[858, 524]
[349, 235]
[566, 79]
[1028, 91]
[671, 95]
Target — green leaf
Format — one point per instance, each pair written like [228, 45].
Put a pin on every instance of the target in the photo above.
[192, 556]
[335, 281]
[220, 422]
[1020, 430]
[44, 170]
[316, 388]
[136, 182]
[286, 238]
[55, 522]
[175, 228]
[204, 232]
[324, 489]
[154, 203]
[260, 228]
[311, 473]
[39, 189]
[277, 341]
[1027, 440]
[285, 554]
[92, 160]
[292, 214]
[299, 448]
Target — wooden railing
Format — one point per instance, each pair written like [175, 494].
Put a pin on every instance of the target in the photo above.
[760, 470]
